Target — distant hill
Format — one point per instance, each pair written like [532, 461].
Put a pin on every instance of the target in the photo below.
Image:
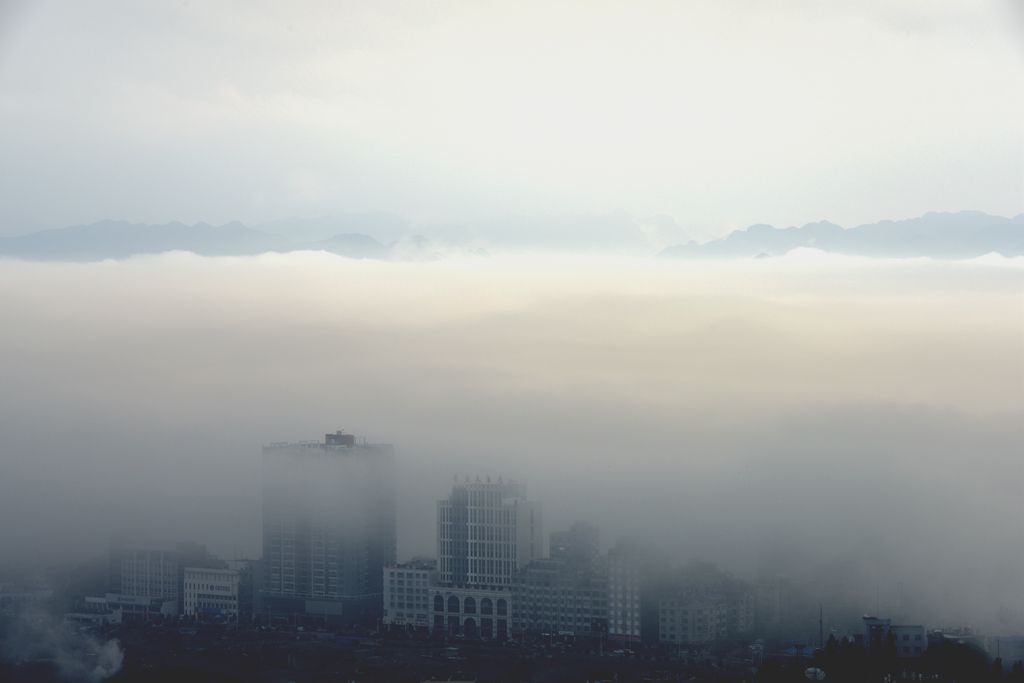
[120, 239]
[940, 235]
[965, 234]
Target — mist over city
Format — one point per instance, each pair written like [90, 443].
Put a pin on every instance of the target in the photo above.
[507, 343]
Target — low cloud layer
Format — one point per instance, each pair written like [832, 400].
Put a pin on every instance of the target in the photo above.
[853, 420]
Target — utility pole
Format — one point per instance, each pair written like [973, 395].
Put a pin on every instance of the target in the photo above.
[821, 626]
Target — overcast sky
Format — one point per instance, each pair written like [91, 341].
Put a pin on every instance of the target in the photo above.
[494, 115]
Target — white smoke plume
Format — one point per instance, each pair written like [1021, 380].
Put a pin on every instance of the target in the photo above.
[78, 657]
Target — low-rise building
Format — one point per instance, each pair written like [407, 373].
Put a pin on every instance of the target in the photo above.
[94, 611]
[407, 596]
[139, 608]
[211, 593]
[910, 640]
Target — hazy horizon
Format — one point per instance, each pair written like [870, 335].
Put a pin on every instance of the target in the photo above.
[832, 409]
[502, 118]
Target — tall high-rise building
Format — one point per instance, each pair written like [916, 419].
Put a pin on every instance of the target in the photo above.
[328, 526]
[486, 533]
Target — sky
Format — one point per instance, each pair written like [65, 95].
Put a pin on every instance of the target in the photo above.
[502, 121]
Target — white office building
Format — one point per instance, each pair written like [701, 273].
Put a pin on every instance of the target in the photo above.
[211, 593]
[486, 532]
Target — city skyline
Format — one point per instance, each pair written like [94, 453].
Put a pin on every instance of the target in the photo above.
[734, 287]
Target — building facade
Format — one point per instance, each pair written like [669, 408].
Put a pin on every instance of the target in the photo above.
[147, 572]
[910, 640]
[692, 617]
[486, 532]
[156, 572]
[472, 612]
[562, 597]
[567, 593]
[211, 593]
[407, 593]
[625, 572]
[328, 527]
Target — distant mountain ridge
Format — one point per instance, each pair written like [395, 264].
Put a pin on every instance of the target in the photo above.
[964, 234]
[121, 239]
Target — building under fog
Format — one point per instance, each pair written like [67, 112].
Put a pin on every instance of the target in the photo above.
[143, 571]
[155, 572]
[407, 593]
[211, 593]
[909, 640]
[486, 532]
[566, 594]
[700, 603]
[328, 527]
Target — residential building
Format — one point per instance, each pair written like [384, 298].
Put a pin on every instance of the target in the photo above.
[328, 527]
[565, 594]
[407, 593]
[692, 616]
[563, 597]
[625, 574]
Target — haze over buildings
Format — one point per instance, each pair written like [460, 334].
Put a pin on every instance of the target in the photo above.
[438, 226]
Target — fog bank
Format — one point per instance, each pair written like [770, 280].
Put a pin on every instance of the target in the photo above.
[807, 414]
